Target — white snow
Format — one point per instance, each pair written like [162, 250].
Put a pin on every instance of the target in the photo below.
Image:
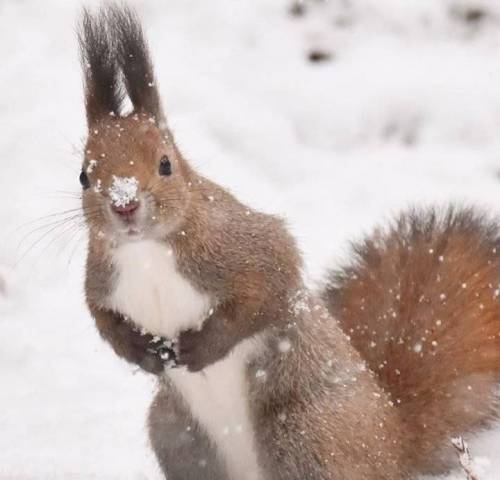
[123, 190]
[408, 111]
[91, 166]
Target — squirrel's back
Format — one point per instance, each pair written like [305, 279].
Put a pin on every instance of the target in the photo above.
[421, 303]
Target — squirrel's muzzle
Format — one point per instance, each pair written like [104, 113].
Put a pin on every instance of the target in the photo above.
[127, 211]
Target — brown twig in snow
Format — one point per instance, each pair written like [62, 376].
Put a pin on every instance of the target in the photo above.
[297, 8]
[464, 457]
[3, 284]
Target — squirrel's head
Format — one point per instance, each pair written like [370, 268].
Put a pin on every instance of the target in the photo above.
[135, 182]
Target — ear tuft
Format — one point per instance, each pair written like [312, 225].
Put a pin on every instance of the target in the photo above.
[103, 94]
[133, 57]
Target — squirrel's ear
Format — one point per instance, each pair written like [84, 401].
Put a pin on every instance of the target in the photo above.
[135, 62]
[103, 95]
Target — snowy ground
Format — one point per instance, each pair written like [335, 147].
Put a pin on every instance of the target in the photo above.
[407, 110]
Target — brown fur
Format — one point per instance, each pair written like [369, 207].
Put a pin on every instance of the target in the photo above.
[421, 304]
[317, 411]
[214, 237]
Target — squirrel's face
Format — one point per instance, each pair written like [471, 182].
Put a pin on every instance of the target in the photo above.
[133, 179]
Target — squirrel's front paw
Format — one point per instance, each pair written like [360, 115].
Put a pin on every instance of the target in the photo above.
[196, 350]
[138, 347]
[164, 349]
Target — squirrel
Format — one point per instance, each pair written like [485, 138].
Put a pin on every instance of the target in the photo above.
[259, 377]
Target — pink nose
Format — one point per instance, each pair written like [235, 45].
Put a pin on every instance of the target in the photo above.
[126, 210]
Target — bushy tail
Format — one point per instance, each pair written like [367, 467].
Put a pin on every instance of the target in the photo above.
[421, 303]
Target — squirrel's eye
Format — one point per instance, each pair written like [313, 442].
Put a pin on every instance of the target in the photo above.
[84, 180]
[165, 167]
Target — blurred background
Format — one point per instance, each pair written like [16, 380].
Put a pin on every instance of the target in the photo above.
[335, 114]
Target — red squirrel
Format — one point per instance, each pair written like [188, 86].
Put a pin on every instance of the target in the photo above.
[260, 378]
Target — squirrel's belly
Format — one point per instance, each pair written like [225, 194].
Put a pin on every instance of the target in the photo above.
[152, 292]
[218, 399]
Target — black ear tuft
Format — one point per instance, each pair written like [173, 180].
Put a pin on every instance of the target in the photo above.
[134, 60]
[103, 94]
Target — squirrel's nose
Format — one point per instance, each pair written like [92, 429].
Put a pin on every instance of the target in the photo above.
[126, 210]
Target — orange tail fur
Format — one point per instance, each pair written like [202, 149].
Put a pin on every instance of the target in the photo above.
[421, 303]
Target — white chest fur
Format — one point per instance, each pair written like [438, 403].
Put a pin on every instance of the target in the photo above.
[218, 398]
[152, 292]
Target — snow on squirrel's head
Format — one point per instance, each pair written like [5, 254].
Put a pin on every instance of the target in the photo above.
[135, 181]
